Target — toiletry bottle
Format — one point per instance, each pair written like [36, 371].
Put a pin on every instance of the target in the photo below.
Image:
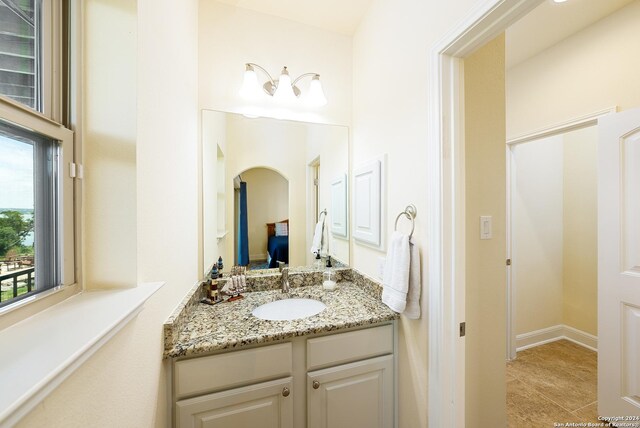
[329, 280]
[329, 262]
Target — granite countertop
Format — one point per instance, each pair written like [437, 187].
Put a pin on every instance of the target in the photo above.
[231, 325]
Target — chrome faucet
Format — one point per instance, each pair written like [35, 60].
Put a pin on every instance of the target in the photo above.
[284, 280]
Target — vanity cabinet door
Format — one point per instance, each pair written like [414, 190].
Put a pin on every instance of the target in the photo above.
[268, 405]
[356, 395]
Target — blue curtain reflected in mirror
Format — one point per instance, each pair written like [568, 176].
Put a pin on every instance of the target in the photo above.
[243, 229]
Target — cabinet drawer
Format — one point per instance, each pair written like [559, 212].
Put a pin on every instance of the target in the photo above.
[346, 347]
[207, 374]
[264, 405]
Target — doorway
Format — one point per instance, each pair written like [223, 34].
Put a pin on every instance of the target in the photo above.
[552, 234]
[449, 222]
[261, 219]
[552, 228]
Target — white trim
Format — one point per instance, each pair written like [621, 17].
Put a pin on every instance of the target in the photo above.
[445, 145]
[538, 337]
[580, 337]
[554, 333]
[563, 127]
[39, 353]
[511, 290]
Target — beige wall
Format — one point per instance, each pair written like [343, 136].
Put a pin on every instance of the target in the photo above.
[231, 37]
[390, 99]
[580, 247]
[537, 203]
[592, 70]
[267, 202]
[124, 383]
[214, 137]
[109, 149]
[485, 180]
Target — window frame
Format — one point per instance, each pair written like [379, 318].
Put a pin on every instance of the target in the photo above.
[60, 102]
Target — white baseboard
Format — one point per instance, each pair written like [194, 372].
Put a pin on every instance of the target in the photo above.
[581, 338]
[553, 333]
[538, 337]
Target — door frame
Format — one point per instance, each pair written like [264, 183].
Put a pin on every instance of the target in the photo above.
[550, 131]
[446, 193]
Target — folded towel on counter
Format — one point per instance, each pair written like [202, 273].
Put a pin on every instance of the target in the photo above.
[316, 244]
[396, 273]
[412, 310]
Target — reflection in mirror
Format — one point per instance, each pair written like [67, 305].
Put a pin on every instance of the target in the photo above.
[265, 184]
[262, 199]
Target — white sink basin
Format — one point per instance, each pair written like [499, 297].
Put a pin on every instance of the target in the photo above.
[289, 309]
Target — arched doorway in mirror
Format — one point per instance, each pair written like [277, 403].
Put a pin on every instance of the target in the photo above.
[261, 219]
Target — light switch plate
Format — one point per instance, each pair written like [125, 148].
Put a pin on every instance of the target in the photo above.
[485, 227]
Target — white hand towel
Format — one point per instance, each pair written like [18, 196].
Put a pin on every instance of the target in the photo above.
[316, 244]
[396, 273]
[412, 311]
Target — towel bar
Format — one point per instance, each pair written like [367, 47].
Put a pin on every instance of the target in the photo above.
[409, 212]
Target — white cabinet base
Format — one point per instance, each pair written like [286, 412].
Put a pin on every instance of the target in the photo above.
[262, 405]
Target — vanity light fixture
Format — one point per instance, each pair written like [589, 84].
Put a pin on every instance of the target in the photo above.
[283, 89]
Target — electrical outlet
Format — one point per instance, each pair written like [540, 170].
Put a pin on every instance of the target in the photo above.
[381, 262]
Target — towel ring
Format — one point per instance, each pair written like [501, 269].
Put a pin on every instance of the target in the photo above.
[410, 213]
[324, 211]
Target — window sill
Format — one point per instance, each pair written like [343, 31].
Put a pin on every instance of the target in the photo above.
[40, 352]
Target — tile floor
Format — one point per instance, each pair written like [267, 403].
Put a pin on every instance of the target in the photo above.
[552, 383]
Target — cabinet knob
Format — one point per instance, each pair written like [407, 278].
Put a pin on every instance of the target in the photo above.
[316, 384]
[285, 392]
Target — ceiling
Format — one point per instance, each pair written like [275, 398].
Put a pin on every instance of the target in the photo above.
[340, 16]
[525, 38]
[551, 23]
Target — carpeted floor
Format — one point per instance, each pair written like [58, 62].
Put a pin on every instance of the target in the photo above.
[261, 264]
[552, 383]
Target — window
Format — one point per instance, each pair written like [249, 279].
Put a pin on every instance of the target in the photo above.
[37, 243]
[29, 166]
[20, 45]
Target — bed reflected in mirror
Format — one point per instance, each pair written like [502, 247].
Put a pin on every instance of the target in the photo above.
[265, 183]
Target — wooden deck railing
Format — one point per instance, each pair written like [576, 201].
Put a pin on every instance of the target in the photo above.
[14, 276]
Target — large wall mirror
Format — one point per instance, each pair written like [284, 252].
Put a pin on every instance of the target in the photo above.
[266, 185]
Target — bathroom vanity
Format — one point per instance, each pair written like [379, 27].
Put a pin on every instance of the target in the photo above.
[231, 369]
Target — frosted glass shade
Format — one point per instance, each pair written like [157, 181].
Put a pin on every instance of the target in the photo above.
[250, 87]
[316, 97]
[284, 91]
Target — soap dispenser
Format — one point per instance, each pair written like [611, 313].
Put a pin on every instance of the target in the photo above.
[329, 280]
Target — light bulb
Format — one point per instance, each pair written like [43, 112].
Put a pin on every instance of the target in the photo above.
[284, 91]
[250, 86]
[316, 97]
